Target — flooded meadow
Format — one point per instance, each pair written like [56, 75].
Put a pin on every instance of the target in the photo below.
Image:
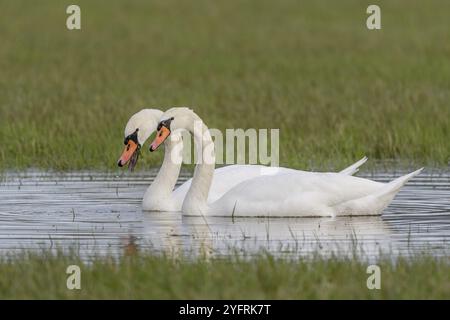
[100, 214]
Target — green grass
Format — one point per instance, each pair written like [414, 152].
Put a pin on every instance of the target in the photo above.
[262, 277]
[311, 68]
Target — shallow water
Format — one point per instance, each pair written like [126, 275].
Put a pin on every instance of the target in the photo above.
[100, 213]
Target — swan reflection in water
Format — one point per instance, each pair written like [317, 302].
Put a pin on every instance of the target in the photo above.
[176, 234]
[101, 214]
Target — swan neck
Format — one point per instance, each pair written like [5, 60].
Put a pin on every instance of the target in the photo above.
[197, 196]
[166, 179]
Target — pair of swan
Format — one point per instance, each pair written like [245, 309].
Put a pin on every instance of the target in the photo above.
[244, 190]
[160, 195]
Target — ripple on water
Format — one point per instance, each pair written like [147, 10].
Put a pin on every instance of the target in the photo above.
[99, 213]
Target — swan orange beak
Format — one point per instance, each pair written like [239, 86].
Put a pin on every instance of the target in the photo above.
[161, 136]
[130, 149]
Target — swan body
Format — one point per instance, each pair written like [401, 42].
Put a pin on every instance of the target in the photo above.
[161, 196]
[307, 194]
[226, 178]
[287, 193]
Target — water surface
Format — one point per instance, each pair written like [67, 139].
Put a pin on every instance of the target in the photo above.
[100, 213]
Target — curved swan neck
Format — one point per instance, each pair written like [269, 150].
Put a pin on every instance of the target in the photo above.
[197, 196]
[164, 182]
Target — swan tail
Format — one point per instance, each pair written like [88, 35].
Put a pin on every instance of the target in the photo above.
[354, 168]
[375, 203]
[396, 184]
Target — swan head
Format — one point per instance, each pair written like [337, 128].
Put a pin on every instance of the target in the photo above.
[138, 129]
[171, 123]
[162, 134]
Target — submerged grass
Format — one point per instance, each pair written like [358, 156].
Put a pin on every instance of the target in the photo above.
[261, 277]
[336, 90]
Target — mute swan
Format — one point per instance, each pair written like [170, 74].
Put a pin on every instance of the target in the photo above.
[160, 195]
[290, 193]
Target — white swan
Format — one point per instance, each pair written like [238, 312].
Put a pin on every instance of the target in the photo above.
[160, 195]
[291, 193]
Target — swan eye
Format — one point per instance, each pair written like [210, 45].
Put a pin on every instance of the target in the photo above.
[165, 123]
[133, 137]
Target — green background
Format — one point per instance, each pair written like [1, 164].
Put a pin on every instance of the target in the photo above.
[336, 90]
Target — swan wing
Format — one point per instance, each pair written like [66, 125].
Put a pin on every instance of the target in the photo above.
[292, 194]
[308, 194]
[225, 178]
